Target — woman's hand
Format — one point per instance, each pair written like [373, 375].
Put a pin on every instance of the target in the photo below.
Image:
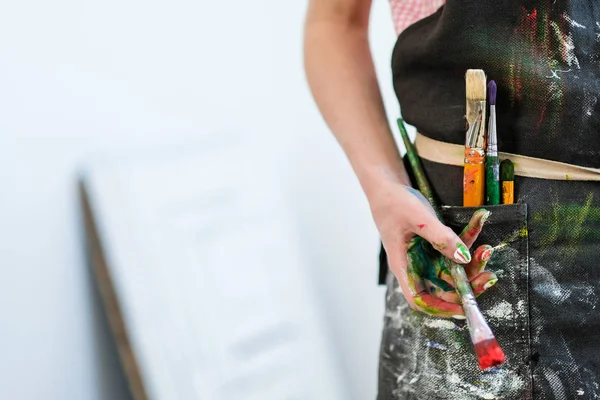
[342, 78]
[416, 243]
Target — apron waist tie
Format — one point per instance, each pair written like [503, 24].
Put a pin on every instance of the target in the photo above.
[531, 167]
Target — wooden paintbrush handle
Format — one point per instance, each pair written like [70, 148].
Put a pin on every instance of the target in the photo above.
[474, 178]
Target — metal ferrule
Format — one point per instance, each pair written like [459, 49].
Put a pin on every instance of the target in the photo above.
[474, 156]
[478, 326]
[492, 145]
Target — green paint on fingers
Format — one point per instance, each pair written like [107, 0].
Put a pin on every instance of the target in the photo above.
[462, 253]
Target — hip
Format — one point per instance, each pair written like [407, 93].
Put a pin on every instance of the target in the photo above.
[543, 308]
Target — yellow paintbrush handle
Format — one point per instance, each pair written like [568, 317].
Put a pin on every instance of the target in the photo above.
[508, 192]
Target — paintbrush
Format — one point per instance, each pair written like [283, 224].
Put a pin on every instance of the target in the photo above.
[474, 170]
[507, 170]
[492, 163]
[487, 349]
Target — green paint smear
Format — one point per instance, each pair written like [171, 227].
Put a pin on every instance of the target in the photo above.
[492, 184]
[463, 250]
[428, 263]
[564, 224]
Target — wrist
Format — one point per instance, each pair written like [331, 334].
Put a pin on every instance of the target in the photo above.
[377, 179]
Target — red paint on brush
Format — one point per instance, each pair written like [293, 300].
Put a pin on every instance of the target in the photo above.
[489, 354]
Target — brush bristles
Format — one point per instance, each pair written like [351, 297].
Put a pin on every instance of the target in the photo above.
[489, 353]
[492, 93]
[507, 170]
[476, 84]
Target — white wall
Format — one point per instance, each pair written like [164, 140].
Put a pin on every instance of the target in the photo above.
[81, 78]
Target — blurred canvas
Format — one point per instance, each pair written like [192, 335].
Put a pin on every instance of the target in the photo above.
[203, 278]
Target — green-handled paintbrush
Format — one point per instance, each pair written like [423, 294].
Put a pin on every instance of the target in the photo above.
[492, 163]
[486, 346]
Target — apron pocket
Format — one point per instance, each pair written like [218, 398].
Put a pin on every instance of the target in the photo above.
[423, 357]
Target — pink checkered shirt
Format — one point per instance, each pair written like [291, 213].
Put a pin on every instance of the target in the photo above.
[407, 12]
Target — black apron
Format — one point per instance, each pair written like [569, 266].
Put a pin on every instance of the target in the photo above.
[545, 57]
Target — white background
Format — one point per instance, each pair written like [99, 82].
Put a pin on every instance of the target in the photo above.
[80, 78]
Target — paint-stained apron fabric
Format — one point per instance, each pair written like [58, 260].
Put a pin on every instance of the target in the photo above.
[545, 58]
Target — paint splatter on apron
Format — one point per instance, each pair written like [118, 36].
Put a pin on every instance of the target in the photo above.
[545, 57]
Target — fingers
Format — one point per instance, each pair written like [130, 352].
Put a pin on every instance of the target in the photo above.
[436, 307]
[483, 282]
[481, 256]
[473, 228]
[442, 238]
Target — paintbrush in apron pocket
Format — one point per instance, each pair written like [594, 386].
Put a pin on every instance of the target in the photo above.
[474, 170]
[492, 163]
[488, 351]
[507, 170]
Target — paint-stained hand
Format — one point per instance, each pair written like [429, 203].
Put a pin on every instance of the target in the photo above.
[416, 243]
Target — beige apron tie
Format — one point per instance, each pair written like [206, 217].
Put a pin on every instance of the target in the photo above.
[454, 154]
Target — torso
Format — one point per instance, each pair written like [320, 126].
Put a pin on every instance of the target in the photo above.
[545, 57]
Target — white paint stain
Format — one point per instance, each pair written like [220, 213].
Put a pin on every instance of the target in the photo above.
[554, 91]
[545, 284]
[395, 316]
[570, 56]
[455, 379]
[443, 378]
[568, 48]
[573, 22]
[555, 383]
[440, 324]
[502, 310]
[401, 376]
[554, 73]
[521, 308]
[590, 101]
[500, 246]
[580, 392]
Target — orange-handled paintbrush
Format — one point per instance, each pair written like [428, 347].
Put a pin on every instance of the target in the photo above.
[474, 169]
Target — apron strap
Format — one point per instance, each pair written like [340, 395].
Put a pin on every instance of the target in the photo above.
[454, 154]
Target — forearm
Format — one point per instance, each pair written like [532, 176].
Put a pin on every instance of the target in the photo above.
[342, 78]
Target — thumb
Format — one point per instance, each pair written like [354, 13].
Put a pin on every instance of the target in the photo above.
[442, 238]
